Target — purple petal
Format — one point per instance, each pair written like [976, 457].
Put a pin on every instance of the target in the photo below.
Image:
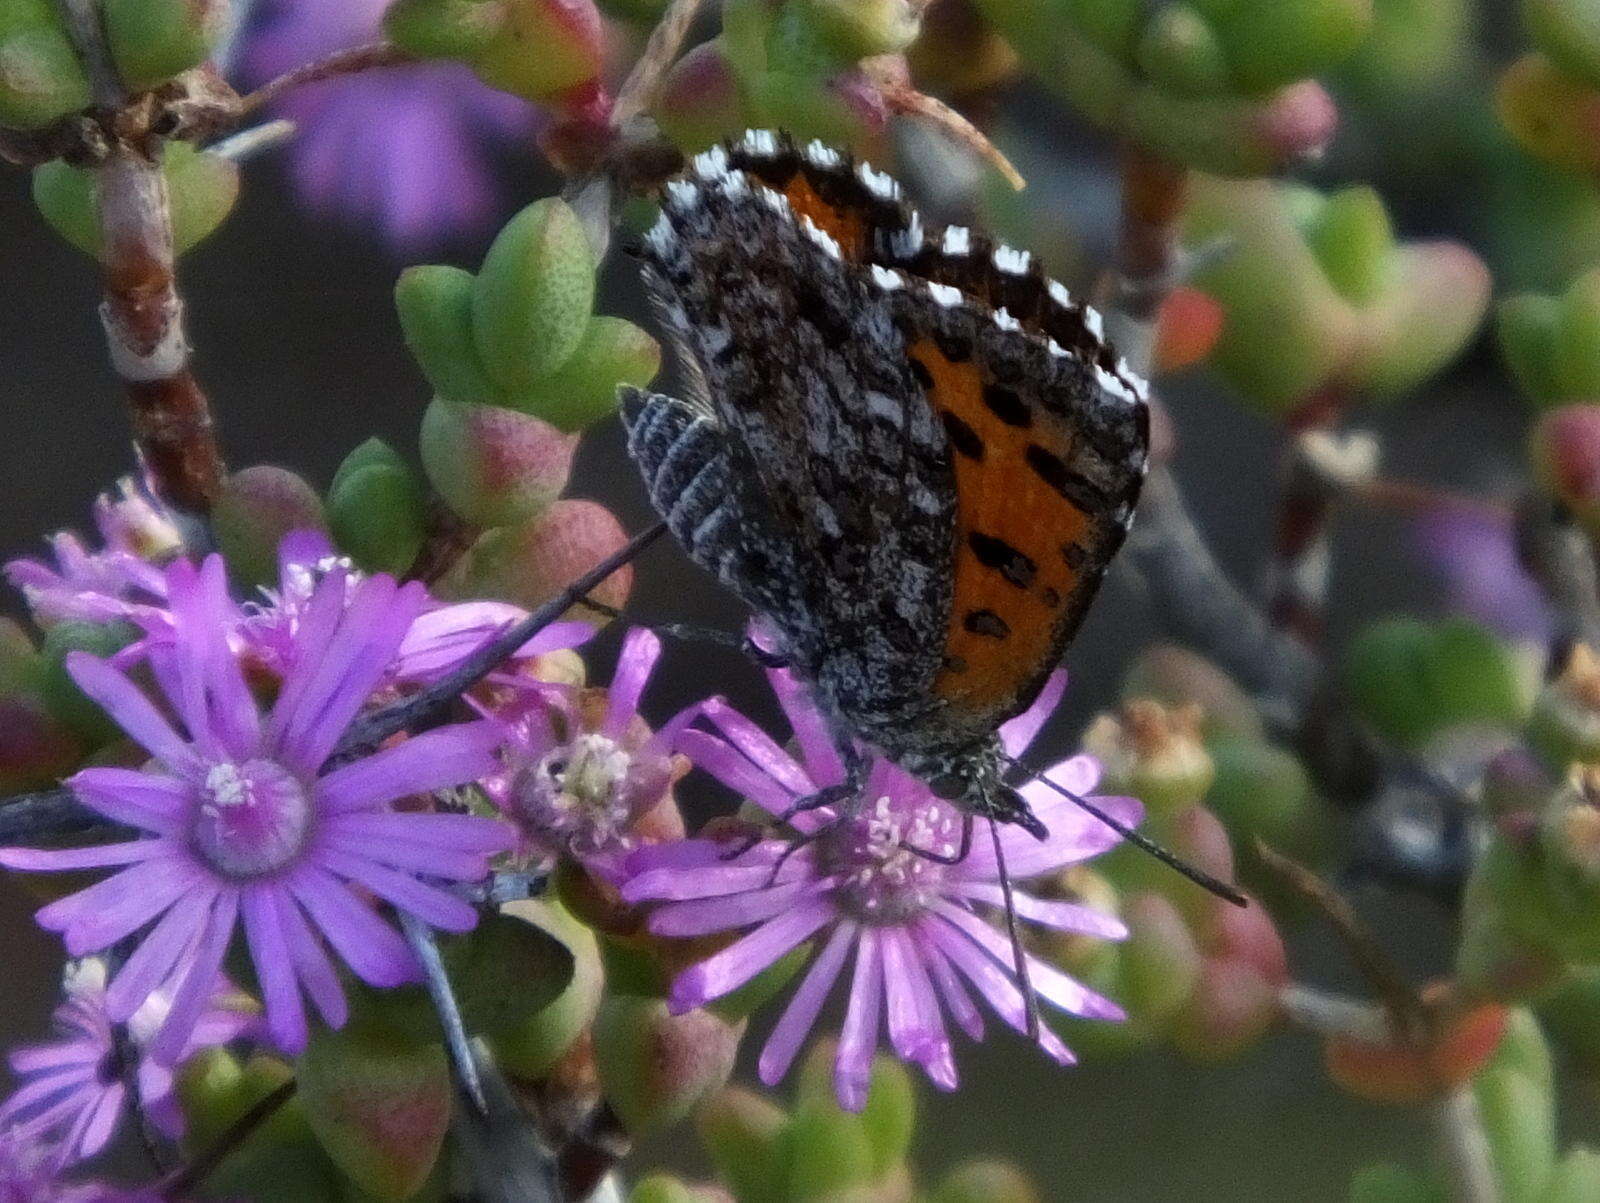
[1051, 984]
[915, 1031]
[709, 915]
[303, 549]
[1063, 916]
[121, 904]
[131, 710]
[373, 949]
[96, 856]
[198, 983]
[760, 748]
[858, 1039]
[98, 1123]
[997, 989]
[735, 770]
[800, 1016]
[155, 803]
[1075, 836]
[640, 651]
[433, 760]
[319, 622]
[413, 856]
[152, 963]
[747, 956]
[31, 1059]
[433, 906]
[1021, 731]
[811, 733]
[270, 952]
[440, 639]
[316, 971]
[715, 878]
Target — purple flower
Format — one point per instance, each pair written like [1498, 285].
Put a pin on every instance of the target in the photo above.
[117, 582]
[442, 635]
[577, 782]
[72, 1091]
[407, 146]
[1474, 556]
[921, 931]
[243, 830]
[30, 1172]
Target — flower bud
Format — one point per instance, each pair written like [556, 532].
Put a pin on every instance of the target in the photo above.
[1160, 960]
[378, 1104]
[67, 703]
[1270, 43]
[1398, 1072]
[857, 29]
[534, 1045]
[1565, 724]
[435, 307]
[1565, 449]
[533, 295]
[41, 80]
[201, 188]
[36, 748]
[153, 40]
[493, 466]
[1550, 114]
[740, 1131]
[531, 563]
[1517, 1104]
[1262, 791]
[1177, 677]
[1179, 52]
[664, 1188]
[887, 1114]
[256, 508]
[456, 29]
[1412, 679]
[959, 54]
[700, 99]
[1231, 136]
[1526, 325]
[1568, 31]
[1572, 1014]
[1515, 782]
[377, 509]
[985, 1182]
[1575, 1178]
[1153, 753]
[129, 517]
[613, 352]
[1245, 934]
[655, 1067]
[545, 48]
[1232, 1007]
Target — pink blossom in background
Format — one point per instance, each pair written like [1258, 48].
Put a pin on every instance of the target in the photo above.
[411, 148]
[922, 934]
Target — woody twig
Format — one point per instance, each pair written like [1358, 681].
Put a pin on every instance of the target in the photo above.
[143, 312]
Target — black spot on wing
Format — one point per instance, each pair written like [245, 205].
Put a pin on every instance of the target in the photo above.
[1005, 559]
[1072, 485]
[962, 437]
[1075, 554]
[986, 622]
[1006, 405]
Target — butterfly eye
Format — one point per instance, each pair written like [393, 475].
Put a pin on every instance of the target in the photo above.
[951, 786]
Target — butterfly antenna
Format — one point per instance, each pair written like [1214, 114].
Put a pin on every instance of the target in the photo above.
[1030, 1000]
[1143, 842]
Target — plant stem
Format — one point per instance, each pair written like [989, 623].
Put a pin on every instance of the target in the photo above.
[183, 1182]
[1464, 1147]
[1154, 192]
[143, 313]
[343, 62]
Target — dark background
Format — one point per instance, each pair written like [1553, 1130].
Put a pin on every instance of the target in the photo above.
[299, 348]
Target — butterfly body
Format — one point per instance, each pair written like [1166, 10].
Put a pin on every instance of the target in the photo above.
[912, 456]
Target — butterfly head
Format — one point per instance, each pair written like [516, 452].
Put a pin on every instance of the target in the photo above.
[971, 780]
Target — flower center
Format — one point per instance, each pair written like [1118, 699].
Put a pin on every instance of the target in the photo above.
[577, 794]
[253, 818]
[885, 879]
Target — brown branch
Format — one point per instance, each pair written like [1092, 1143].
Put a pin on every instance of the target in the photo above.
[143, 313]
[906, 100]
[1408, 1014]
[1146, 263]
[343, 62]
[638, 91]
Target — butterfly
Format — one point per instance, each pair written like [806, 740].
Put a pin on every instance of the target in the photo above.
[909, 451]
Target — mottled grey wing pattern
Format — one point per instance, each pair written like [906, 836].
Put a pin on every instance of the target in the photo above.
[807, 376]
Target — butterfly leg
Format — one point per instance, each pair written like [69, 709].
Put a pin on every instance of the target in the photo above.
[963, 846]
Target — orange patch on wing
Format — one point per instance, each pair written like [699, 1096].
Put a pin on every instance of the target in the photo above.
[845, 228]
[1000, 496]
